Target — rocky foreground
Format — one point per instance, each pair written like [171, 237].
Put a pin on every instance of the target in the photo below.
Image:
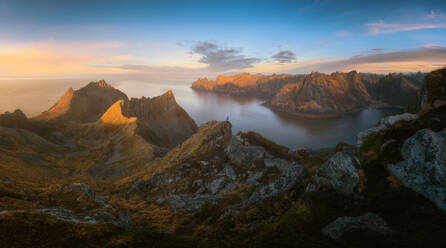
[318, 94]
[141, 174]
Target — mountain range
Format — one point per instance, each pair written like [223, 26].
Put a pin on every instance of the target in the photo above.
[101, 170]
[318, 94]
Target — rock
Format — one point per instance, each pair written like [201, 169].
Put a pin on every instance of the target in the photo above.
[15, 119]
[438, 103]
[150, 185]
[280, 164]
[185, 202]
[253, 180]
[383, 124]
[216, 185]
[390, 120]
[125, 220]
[368, 222]
[286, 181]
[243, 155]
[229, 187]
[82, 187]
[424, 166]
[301, 151]
[84, 105]
[338, 173]
[228, 171]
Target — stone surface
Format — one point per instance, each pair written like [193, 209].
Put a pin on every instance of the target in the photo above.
[338, 173]
[242, 155]
[424, 166]
[289, 178]
[383, 124]
[185, 202]
[368, 222]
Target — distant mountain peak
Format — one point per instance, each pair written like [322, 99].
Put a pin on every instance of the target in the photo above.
[86, 104]
[100, 84]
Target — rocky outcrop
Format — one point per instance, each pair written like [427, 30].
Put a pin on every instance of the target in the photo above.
[246, 84]
[87, 104]
[384, 124]
[159, 120]
[290, 177]
[324, 94]
[242, 155]
[318, 94]
[339, 173]
[424, 166]
[434, 89]
[14, 119]
[368, 222]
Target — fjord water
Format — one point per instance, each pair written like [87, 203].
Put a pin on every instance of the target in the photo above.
[249, 114]
[244, 114]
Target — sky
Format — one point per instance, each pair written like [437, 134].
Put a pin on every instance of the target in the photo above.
[182, 40]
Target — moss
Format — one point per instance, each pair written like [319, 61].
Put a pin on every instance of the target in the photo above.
[435, 85]
[370, 148]
[312, 163]
[39, 230]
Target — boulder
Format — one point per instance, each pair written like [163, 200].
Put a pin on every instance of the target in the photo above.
[339, 173]
[289, 178]
[424, 166]
[384, 124]
[216, 185]
[280, 164]
[185, 202]
[368, 222]
[228, 171]
[243, 155]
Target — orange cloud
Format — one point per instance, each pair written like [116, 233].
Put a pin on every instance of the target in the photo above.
[51, 59]
[383, 68]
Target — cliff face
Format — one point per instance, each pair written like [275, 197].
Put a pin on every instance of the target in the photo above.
[319, 94]
[323, 94]
[245, 84]
[14, 119]
[104, 185]
[84, 105]
[160, 120]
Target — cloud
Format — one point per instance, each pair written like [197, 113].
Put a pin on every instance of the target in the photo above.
[381, 27]
[432, 55]
[436, 15]
[219, 58]
[286, 56]
[49, 58]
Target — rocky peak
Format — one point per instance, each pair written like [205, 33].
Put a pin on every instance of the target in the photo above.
[160, 120]
[99, 84]
[87, 104]
[14, 119]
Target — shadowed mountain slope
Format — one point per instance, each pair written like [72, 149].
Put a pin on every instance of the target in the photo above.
[84, 105]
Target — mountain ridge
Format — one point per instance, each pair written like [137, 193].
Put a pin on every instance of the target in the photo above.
[318, 94]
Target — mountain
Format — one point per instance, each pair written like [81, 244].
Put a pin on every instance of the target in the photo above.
[84, 105]
[246, 84]
[125, 181]
[319, 94]
[14, 119]
[322, 94]
[160, 120]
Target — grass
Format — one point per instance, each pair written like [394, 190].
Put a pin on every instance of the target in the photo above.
[370, 148]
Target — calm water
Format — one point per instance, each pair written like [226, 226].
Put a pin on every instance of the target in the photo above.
[249, 114]
[244, 114]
